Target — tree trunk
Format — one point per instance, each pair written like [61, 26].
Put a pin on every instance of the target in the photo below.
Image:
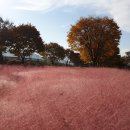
[95, 63]
[66, 63]
[23, 60]
[52, 62]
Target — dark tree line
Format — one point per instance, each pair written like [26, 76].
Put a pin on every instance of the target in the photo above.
[54, 53]
[92, 40]
[20, 40]
[25, 39]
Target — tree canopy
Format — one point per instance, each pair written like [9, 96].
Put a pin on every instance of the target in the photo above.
[26, 40]
[5, 35]
[92, 40]
[73, 57]
[54, 52]
[95, 38]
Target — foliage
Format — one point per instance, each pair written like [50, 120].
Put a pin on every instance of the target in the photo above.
[68, 54]
[74, 57]
[5, 36]
[114, 61]
[84, 55]
[95, 38]
[126, 58]
[26, 40]
[54, 52]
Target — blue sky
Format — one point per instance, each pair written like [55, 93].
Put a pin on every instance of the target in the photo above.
[53, 18]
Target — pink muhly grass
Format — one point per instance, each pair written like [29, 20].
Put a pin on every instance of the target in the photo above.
[64, 98]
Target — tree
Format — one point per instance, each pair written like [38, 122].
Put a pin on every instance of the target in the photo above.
[95, 38]
[84, 55]
[54, 52]
[5, 36]
[26, 41]
[68, 53]
[73, 57]
[113, 61]
[126, 58]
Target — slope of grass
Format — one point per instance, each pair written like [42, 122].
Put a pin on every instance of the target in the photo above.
[59, 98]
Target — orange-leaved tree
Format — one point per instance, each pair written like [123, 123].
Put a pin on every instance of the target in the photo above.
[95, 38]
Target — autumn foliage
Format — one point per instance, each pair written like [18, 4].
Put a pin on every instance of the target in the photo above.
[95, 38]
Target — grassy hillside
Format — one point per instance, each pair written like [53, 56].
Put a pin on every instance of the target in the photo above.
[60, 98]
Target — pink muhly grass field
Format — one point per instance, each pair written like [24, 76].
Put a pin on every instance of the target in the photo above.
[64, 98]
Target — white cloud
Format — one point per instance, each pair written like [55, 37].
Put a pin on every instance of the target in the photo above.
[38, 5]
[118, 9]
[123, 51]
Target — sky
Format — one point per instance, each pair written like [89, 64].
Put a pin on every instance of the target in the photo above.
[53, 18]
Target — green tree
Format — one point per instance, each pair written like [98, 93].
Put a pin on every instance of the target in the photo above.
[126, 58]
[94, 38]
[5, 36]
[113, 61]
[68, 53]
[73, 57]
[26, 41]
[54, 52]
